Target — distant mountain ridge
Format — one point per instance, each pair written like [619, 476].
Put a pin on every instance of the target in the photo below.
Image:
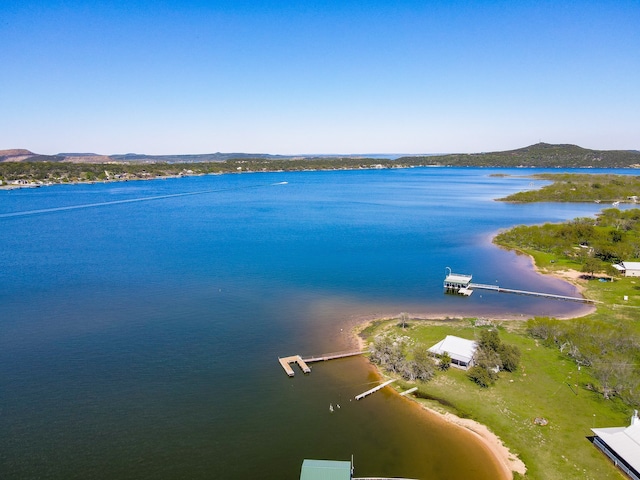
[537, 155]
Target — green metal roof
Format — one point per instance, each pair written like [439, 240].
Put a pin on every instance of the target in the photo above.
[325, 470]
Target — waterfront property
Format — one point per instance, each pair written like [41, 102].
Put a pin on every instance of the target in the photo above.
[628, 269]
[622, 446]
[459, 349]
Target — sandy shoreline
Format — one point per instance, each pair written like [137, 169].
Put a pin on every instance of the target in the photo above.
[508, 461]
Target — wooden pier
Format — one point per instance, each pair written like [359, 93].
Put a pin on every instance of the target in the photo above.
[332, 356]
[302, 362]
[374, 389]
[286, 361]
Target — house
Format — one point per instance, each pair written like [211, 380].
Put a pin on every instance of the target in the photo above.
[459, 349]
[325, 470]
[628, 269]
[622, 446]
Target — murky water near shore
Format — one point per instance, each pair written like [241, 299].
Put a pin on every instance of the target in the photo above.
[141, 330]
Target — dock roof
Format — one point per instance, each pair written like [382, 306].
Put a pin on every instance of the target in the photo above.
[458, 278]
[325, 470]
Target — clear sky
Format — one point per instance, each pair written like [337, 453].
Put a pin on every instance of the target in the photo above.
[307, 76]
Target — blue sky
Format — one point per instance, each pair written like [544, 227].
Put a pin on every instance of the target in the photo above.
[289, 77]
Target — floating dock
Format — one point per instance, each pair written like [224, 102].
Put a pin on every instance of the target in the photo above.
[302, 362]
[374, 389]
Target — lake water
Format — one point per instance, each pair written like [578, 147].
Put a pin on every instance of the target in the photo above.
[140, 327]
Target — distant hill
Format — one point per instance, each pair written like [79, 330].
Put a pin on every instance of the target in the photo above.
[540, 155]
[15, 155]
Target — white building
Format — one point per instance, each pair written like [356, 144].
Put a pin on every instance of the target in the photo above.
[622, 446]
[629, 269]
[459, 349]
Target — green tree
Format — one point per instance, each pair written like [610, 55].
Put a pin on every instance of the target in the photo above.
[481, 376]
[509, 357]
[445, 361]
[489, 340]
[591, 265]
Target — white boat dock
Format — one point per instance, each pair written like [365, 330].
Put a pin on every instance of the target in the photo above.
[461, 284]
[407, 392]
[374, 389]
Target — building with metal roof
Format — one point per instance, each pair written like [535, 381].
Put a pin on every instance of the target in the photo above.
[459, 349]
[628, 269]
[622, 446]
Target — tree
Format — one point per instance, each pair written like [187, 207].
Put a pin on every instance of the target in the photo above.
[489, 340]
[509, 357]
[445, 361]
[481, 376]
[420, 367]
[590, 265]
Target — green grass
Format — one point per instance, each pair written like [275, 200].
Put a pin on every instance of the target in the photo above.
[613, 307]
[547, 385]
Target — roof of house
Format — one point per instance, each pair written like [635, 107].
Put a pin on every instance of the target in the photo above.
[325, 470]
[458, 348]
[631, 265]
[625, 441]
[458, 278]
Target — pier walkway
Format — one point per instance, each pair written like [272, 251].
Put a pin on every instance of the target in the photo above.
[332, 356]
[496, 288]
[302, 362]
[374, 389]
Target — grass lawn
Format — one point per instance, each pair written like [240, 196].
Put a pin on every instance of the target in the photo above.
[546, 385]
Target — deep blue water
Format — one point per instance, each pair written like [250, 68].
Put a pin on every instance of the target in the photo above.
[140, 329]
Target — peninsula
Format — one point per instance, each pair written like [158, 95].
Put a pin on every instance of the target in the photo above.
[573, 374]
